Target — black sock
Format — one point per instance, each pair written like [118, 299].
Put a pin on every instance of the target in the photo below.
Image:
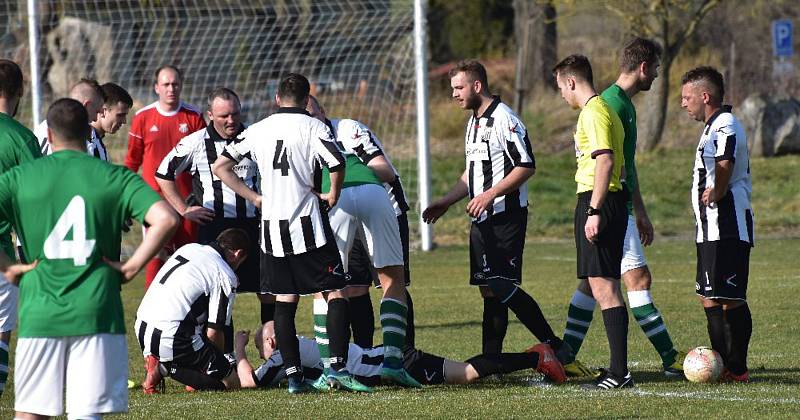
[490, 364]
[267, 312]
[195, 379]
[528, 312]
[227, 332]
[286, 335]
[338, 332]
[616, 321]
[716, 331]
[495, 324]
[362, 320]
[409, 321]
[741, 324]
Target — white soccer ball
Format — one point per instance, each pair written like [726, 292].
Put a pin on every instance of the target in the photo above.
[702, 364]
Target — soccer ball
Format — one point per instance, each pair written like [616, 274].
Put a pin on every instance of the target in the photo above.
[702, 364]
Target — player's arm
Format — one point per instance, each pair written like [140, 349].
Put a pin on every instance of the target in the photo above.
[358, 138]
[439, 207]
[382, 169]
[161, 221]
[13, 271]
[243, 366]
[176, 162]
[511, 182]
[216, 336]
[223, 169]
[643, 224]
[329, 155]
[604, 164]
[725, 157]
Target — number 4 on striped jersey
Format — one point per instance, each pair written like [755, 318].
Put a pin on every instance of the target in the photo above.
[78, 249]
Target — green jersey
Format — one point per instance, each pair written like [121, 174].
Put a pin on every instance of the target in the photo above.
[69, 208]
[616, 98]
[17, 146]
[356, 173]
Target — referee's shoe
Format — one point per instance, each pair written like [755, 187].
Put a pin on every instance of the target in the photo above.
[608, 380]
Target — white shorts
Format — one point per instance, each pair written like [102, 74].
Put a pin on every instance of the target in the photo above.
[365, 210]
[632, 250]
[9, 296]
[93, 368]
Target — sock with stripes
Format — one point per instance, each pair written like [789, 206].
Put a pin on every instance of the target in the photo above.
[338, 329]
[741, 326]
[393, 324]
[321, 333]
[715, 317]
[495, 325]
[652, 324]
[616, 321]
[579, 318]
[286, 335]
[362, 320]
[3, 365]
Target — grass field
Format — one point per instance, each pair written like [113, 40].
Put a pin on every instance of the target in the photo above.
[448, 324]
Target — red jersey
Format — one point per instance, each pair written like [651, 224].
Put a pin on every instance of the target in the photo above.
[153, 134]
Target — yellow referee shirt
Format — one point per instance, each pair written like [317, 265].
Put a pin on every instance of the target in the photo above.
[599, 129]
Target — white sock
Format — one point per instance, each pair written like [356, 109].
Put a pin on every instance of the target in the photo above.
[639, 298]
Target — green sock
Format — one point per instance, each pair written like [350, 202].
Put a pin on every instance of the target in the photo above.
[579, 318]
[652, 324]
[3, 366]
[321, 333]
[393, 324]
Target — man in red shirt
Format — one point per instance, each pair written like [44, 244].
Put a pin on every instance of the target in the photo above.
[155, 130]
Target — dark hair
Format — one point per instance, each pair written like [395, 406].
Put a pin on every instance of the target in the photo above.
[575, 65]
[115, 93]
[710, 77]
[294, 88]
[233, 240]
[69, 119]
[10, 79]
[224, 94]
[638, 51]
[91, 84]
[171, 67]
[473, 69]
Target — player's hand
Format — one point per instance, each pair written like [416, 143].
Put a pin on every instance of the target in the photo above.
[480, 203]
[330, 199]
[592, 228]
[711, 196]
[646, 232]
[126, 225]
[241, 338]
[14, 272]
[128, 272]
[198, 214]
[435, 211]
[257, 203]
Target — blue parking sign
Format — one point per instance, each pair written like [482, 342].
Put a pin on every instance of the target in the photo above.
[782, 38]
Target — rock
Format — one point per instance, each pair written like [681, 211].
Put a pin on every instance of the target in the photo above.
[772, 124]
[78, 49]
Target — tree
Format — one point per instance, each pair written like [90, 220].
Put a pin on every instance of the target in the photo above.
[670, 23]
[536, 36]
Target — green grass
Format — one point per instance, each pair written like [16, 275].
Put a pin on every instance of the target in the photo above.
[448, 324]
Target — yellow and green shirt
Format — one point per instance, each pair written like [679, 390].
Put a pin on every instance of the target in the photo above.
[599, 129]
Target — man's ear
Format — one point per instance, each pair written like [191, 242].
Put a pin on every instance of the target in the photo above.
[477, 86]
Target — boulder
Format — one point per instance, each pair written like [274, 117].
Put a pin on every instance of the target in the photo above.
[78, 48]
[772, 124]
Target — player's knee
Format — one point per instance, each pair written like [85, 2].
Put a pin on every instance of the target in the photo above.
[637, 279]
[503, 289]
[583, 287]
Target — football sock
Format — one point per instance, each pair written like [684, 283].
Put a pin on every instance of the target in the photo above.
[286, 335]
[495, 325]
[338, 328]
[3, 365]
[579, 317]
[227, 332]
[393, 324]
[652, 324]
[362, 320]
[490, 364]
[267, 312]
[528, 312]
[410, 333]
[616, 321]
[196, 379]
[716, 331]
[741, 323]
[321, 332]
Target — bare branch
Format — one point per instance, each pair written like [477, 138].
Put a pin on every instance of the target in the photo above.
[701, 12]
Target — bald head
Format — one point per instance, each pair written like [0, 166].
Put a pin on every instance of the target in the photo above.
[89, 93]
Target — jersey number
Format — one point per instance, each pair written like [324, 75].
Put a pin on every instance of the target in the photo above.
[78, 249]
[181, 261]
[281, 160]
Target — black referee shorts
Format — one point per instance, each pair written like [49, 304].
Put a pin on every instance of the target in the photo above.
[723, 268]
[318, 270]
[496, 245]
[360, 268]
[249, 272]
[602, 258]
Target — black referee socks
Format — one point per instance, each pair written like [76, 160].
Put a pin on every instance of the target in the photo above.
[741, 326]
[362, 320]
[495, 325]
[286, 334]
[616, 321]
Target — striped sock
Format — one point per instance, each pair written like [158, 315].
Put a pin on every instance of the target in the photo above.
[579, 317]
[393, 324]
[321, 333]
[652, 324]
[3, 365]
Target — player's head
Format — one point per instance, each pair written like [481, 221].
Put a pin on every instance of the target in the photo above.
[10, 85]
[469, 82]
[315, 108]
[225, 112]
[115, 110]
[90, 94]
[641, 58]
[235, 243]
[293, 91]
[67, 124]
[702, 90]
[168, 84]
[572, 73]
[265, 340]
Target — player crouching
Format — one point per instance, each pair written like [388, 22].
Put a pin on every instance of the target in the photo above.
[195, 288]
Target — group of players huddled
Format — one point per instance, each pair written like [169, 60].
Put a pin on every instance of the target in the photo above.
[299, 204]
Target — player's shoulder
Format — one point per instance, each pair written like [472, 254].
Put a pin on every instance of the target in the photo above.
[195, 138]
[505, 117]
[146, 110]
[726, 123]
[190, 109]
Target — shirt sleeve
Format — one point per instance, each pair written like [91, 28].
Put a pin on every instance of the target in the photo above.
[8, 185]
[516, 143]
[725, 139]
[178, 160]
[598, 130]
[198, 123]
[268, 374]
[133, 159]
[359, 139]
[324, 146]
[137, 196]
[220, 303]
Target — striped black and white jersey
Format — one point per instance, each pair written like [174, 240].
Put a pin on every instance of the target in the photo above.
[194, 287]
[94, 146]
[495, 143]
[288, 147]
[723, 138]
[195, 154]
[356, 138]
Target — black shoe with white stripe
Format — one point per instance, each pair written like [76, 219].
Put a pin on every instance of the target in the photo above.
[608, 380]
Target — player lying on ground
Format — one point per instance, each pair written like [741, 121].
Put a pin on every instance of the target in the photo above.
[365, 363]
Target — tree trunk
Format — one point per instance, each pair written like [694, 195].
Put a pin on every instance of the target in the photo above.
[536, 34]
[655, 109]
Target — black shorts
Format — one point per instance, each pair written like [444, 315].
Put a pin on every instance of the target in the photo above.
[426, 368]
[496, 245]
[602, 258]
[360, 268]
[249, 272]
[723, 268]
[318, 270]
[208, 360]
